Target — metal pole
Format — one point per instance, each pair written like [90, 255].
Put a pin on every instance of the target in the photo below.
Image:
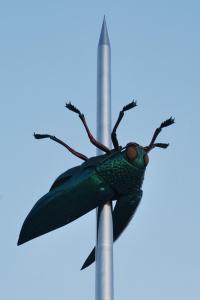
[104, 243]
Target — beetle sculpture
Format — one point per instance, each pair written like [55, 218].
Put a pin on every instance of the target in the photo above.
[116, 175]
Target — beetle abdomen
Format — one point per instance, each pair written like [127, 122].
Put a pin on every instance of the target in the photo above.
[122, 176]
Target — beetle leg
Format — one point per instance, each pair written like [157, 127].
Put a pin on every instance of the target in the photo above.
[43, 136]
[91, 137]
[121, 114]
[166, 123]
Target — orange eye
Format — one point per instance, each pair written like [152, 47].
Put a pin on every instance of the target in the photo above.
[146, 159]
[131, 152]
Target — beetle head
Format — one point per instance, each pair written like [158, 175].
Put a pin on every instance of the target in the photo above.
[138, 155]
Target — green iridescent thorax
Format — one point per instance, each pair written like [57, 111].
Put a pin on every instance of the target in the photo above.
[122, 174]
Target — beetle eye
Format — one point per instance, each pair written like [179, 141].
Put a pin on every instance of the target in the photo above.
[131, 152]
[146, 159]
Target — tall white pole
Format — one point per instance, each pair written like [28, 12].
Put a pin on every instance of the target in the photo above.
[104, 243]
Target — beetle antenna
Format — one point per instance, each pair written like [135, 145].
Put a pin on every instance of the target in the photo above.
[164, 124]
[44, 136]
[121, 114]
[83, 120]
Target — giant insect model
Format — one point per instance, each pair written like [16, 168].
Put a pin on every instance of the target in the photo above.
[116, 175]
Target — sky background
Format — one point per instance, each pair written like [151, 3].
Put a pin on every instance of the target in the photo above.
[47, 57]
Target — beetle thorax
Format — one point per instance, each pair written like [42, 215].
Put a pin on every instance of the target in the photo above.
[120, 174]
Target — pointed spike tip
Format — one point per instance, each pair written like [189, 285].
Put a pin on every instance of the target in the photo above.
[104, 38]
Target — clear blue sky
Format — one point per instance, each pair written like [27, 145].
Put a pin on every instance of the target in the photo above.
[48, 56]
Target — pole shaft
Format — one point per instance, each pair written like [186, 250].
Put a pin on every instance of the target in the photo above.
[104, 243]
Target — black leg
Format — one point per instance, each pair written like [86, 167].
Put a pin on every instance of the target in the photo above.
[91, 137]
[121, 114]
[166, 123]
[43, 136]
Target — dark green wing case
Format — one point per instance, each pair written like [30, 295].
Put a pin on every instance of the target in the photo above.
[123, 212]
[73, 194]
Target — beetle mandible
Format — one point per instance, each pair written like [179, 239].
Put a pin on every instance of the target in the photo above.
[116, 175]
